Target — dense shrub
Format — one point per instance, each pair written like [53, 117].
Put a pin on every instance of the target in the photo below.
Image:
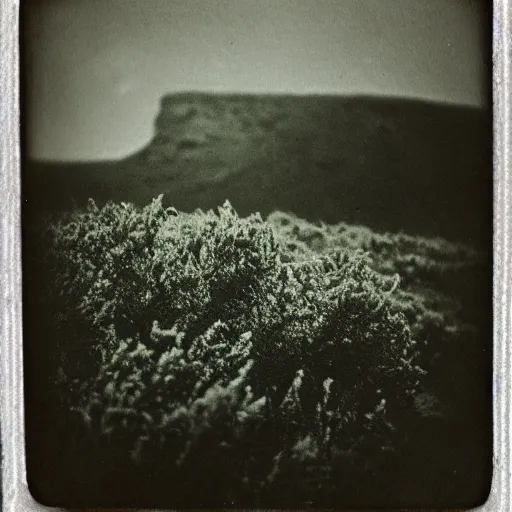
[440, 283]
[239, 355]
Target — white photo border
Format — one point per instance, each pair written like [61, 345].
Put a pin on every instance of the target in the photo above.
[15, 494]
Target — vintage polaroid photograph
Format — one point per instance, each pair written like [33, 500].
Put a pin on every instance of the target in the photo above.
[257, 253]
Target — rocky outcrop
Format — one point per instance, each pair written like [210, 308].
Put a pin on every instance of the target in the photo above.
[191, 122]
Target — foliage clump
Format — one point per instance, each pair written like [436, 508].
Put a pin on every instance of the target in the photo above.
[438, 288]
[239, 354]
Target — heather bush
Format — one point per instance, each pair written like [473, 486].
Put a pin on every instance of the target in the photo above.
[439, 281]
[241, 354]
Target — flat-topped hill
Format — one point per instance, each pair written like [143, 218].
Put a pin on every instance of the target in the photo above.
[392, 164]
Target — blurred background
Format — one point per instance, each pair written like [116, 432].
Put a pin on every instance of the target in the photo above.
[98, 69]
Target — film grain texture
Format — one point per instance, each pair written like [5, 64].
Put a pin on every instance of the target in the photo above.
[257, 254]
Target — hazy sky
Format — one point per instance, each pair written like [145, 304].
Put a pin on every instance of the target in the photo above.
[98, 68]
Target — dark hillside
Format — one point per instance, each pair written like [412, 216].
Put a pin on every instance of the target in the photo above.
[390, 164]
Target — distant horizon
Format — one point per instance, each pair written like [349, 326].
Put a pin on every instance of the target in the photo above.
[95, 70]
[327, 94]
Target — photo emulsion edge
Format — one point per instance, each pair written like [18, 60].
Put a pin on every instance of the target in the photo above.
[11, 402]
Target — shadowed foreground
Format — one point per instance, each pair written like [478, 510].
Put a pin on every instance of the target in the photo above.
[209, 360]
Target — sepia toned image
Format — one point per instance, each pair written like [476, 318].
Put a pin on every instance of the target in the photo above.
[257, 253]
